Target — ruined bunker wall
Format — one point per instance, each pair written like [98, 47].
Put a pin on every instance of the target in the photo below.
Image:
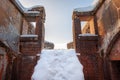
[3, 63]
[10, 24]
[13, 25]
[108, 19]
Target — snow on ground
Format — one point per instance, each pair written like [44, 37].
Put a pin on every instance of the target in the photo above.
[58, 65]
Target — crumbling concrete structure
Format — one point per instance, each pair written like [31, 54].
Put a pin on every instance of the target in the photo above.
[100, 49]
[20, 42]
[70, 45]
[48, 45]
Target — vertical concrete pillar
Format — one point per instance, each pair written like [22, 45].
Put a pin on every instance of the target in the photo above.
[29, 48]
[95, 25]
[76, 32]
[40, 30]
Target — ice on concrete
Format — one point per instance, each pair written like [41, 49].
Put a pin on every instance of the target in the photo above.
[58, 65]
[34, 7]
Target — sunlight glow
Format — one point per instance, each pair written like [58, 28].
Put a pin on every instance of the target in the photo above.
[60, 46]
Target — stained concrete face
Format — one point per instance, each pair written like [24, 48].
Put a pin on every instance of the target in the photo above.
[115, 52]
[3, 63]
[108, 24]
[16, 56]
[48, 45]
[10, 24]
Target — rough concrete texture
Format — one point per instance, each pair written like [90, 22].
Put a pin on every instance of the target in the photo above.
[108, 24]
[10, 24]
[17, 56]
[70, 45]
[48, 45]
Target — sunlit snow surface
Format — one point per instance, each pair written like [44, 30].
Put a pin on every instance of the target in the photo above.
[58, 65]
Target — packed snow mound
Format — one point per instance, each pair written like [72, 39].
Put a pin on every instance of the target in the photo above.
[58, 65]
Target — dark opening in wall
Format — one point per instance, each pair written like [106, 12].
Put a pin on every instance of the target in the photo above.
[115, 65]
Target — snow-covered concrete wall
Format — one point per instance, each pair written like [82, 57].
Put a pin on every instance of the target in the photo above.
[11, 27]
[108, 20]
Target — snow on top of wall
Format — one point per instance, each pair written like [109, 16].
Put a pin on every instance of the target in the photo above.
[32, 12]
[85, 9]
[88, 8]
[20, 6]
[26, 10]
[28, 35]
[34, 7]
[87, 34]
[58, 65]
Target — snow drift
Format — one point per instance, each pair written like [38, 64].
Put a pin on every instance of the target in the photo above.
[58, 65]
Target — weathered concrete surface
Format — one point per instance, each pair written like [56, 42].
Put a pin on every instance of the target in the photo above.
[115, 52]
[48, 45]
[10, 25]
[107, 18]
[3, 63]
[16, 56]
[70, 45]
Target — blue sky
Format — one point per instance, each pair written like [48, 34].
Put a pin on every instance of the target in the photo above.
[58, 24]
